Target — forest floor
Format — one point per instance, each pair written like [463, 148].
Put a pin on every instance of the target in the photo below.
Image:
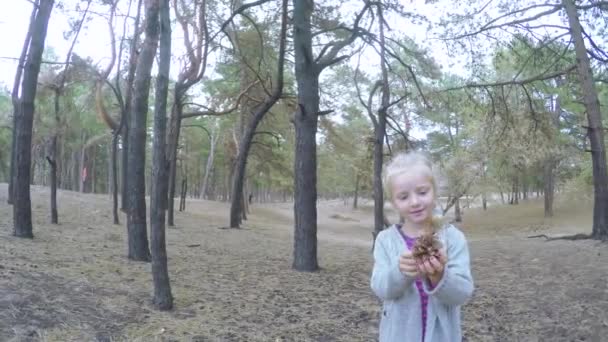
[72, 282]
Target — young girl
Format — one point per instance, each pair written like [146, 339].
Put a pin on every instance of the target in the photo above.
[421, 299]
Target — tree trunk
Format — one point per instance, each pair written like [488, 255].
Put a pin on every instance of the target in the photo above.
[17, 103]
[82, 172]
[136, 214]
[124, 198]
[114, 176]
[52, 159]
[209, 165]
[306, 121]
[379, 133]
[238, 201]
[13, 165]
[163, 299]
[93, 169]
[182, 195]
[549, 183]
[457, 211]
[22, 206]
[126, 112]
[551, 163]
[595, 129]
[356, 197]
[174, 132]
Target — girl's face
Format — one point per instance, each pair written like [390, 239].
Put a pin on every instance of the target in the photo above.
[413, 196]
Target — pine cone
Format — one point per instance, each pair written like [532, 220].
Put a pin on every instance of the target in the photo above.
[426, 245]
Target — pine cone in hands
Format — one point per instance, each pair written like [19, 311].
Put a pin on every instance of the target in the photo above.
[426, 245]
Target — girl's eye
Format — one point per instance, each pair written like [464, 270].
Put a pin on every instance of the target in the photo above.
[423, 192]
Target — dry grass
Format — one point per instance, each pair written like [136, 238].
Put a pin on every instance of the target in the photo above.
[73, 282]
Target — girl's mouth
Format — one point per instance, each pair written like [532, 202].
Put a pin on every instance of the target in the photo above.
[417, 212]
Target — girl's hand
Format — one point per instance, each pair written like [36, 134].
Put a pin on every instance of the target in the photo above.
[407, 264]
[433, 267]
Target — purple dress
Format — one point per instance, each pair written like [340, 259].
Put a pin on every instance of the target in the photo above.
[424, 297]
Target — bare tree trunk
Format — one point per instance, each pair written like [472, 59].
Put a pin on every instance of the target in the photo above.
[82, 172]
[52, 159]
[551, 162]
[595, 129]
[127, 111]
[306, 121]
[136, 214]
[174, 132]
[163, 299]
[93, 169]
[356, 199]
[13, 165]
[549, 183]
[379, 133]
[182, 195]
[22, 205]
[114, 177]
[238, 202]
[53, 153]
[17, 102]
[209, 165]
[457, 211]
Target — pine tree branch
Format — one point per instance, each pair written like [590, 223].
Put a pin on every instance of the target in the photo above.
[540, 77]
[329, 54]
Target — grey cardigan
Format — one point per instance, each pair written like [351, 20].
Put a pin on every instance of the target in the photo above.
[401, 313]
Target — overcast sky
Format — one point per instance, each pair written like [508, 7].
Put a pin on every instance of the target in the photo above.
[94, 41]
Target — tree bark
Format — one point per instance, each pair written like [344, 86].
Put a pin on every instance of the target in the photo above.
[457, 211]
[595, 129]
[163, 299]
[182, 194]
[238, 202]
[22, 206]
[379, 133]
[53, 153]
[17, 102]
[306, 121]
[209, 165]
[551, 162]
[81, 164]
[136, 214]
[356, 197]
[126, 113]
[174, 132]
[549, 183]
[52, 159]
[114, 176]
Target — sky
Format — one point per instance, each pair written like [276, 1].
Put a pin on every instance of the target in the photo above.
[94, 41]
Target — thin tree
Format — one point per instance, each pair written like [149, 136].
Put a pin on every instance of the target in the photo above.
[22, 206]
[124, 101]
[58, 89]
[197, 48]
[595, 130]
[136, 213]
[380, 130]
[308, 68]
[16, 101]
[163, 300]
[237, 200]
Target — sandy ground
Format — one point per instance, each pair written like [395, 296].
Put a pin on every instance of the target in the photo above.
[72, 282]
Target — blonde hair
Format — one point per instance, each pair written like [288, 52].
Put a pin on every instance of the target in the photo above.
[404, 162]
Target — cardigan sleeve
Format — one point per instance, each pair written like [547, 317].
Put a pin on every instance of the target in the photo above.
[387, 282]
[456, 285]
